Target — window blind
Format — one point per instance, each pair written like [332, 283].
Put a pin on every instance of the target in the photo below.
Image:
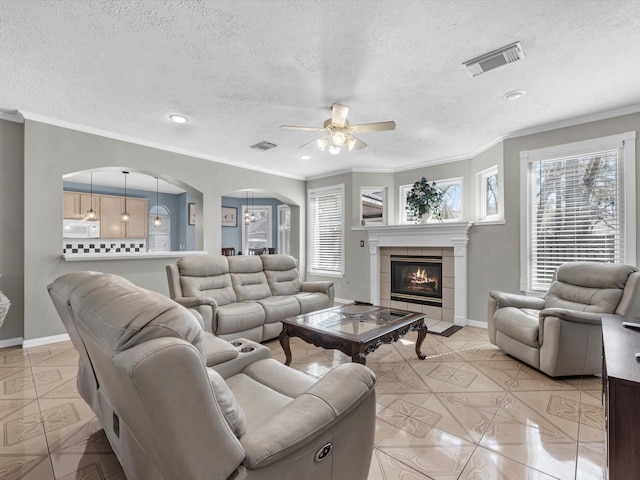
[575, 212]
[326, 215]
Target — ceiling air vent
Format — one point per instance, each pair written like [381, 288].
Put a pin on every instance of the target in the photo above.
[495, 59]
[264, 146]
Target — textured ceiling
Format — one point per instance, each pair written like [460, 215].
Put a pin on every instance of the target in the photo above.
[239, 69]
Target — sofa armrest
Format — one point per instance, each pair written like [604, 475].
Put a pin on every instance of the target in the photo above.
[571, 316]
[320, 286]
[191, 302]
[504, 299]
[308, 415]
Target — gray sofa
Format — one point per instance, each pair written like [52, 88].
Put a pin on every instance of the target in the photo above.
[142, 369]
[561, 334]
[245, 296]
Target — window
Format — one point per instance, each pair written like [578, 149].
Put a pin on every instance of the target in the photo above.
[159, 235]
[489, 201]
[405, 212]
[326, 230]
[452, 200]
[372, 205]
[452, 208]
[574, 206]
[257, 234]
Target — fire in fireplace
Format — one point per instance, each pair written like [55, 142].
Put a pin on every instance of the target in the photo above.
[416, 280]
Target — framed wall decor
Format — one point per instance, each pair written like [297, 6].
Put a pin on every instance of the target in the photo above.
[192, 214]
[229, 217]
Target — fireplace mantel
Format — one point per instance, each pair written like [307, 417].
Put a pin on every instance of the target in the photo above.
[441, 234]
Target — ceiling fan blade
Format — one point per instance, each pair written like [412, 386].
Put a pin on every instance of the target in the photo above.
[295, 127]
[312, 141]
[359, 144]
[354, 142]
[339, 114]
[373, 127]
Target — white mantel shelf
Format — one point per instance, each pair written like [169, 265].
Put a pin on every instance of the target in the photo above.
[440, 234]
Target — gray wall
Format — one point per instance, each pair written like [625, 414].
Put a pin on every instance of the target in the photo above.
[12, 225]
[34, 157]
[50, 152]
[494, 248]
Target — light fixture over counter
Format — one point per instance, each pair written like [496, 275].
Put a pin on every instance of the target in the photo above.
[125, 215]
[156, 221]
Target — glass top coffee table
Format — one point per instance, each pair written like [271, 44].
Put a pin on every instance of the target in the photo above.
[355, 330]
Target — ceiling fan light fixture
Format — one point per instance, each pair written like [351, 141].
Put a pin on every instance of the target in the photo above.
[322, 143]
[334, 149]
[350, 143]
[338, 139]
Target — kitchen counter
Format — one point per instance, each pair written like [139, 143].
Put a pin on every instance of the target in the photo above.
[75, 257]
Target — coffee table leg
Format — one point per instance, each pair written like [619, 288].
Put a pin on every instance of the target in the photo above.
[359, 358]
[422, 334]
[284, 342]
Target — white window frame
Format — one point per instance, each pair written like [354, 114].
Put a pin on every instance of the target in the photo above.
[245, 234]
[445, 183]
[481, 197]
[626, 143]
[312, 194]
[383, 220]
[405, 217]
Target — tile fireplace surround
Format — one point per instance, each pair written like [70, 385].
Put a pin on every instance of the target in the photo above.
[445, 239]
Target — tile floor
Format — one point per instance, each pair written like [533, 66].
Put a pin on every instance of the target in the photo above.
[466, 412]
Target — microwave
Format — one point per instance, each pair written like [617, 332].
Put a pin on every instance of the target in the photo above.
[80, 229]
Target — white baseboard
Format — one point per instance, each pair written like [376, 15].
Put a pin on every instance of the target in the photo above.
[477, 323]
[38, 342]
[342, 300]
[11, 342]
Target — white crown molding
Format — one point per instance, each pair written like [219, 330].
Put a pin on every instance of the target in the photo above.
[137, 141]
[11, 115]
[572, 122]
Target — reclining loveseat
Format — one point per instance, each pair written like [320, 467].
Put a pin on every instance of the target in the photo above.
[168, 416]
[245, 296]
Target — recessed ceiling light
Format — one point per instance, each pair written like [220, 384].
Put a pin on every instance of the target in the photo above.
[516, 94]
[179, 118]
[305, 157]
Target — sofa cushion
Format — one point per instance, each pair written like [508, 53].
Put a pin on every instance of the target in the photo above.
[521, 324]
[231, 410]
[279, 308]
[118, 315]
[206, 275]
[312, 301]
[594, 275]
[238, 317]
[247, 277]
[572, 297]
[282, 274]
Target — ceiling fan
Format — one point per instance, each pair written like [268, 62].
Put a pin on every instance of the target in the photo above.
[338, 133]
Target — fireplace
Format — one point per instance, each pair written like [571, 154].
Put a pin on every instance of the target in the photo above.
[416, 279]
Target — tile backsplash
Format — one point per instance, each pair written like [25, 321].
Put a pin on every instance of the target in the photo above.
[98, 245]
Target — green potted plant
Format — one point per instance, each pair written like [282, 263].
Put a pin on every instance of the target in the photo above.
[425, 200]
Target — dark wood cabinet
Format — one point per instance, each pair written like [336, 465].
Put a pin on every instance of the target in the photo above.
[621, 396]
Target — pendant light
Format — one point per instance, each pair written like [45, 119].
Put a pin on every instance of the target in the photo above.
[156, 221]
[125, 214]
[91, 213]
[247, 220]
[252, 215]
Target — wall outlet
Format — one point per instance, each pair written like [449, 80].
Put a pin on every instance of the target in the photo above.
[362, 243]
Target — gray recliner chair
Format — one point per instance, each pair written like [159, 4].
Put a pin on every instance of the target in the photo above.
[168, 416]
[561, 334]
